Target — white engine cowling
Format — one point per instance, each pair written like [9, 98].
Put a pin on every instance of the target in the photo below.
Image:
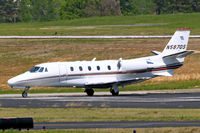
[134, 65]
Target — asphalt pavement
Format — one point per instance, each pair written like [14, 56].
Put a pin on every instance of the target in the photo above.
[124, 100]
[115, 124]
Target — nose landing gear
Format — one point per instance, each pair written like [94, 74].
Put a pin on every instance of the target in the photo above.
[25, 92]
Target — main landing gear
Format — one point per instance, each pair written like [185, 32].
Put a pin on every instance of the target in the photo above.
[25, 92]
[90, 92]
[114, 90]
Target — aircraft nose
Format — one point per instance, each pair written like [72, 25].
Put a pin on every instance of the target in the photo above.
[17, 82]
[11, 82]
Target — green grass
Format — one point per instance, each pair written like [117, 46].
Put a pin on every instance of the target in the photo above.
[101, 114]
[101, 25]
[105, 114]
[116, 130]
[163, 85]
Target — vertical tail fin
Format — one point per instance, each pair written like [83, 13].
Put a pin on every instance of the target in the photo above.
[178, 42]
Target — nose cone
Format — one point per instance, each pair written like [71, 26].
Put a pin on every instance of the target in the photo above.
[17, 82]
[12, 82]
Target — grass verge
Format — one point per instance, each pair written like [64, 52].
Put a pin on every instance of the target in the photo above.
[167, 24]
[117, 130]
[135, 87]
[101, 114]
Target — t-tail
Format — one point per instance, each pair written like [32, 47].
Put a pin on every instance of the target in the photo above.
[177, 46]
[174, 53]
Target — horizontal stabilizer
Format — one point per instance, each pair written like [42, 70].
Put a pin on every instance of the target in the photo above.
[180, 54]
[164, 73]
[156, 52]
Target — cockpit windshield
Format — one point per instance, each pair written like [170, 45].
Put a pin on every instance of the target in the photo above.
[34, 69]
[38, 69]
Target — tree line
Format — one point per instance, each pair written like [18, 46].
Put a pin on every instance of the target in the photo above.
[47, 10]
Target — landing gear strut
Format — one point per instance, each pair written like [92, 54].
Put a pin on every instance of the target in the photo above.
[114, 90]
[25, 92]
[90, 92]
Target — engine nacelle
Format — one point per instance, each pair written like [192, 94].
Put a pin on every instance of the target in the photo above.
[134, 65]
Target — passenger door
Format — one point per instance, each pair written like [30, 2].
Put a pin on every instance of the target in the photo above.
[62, 73]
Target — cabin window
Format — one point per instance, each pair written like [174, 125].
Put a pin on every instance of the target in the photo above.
[89, 68]
[80, 68]
[41, 69]
[71, 68]
[109, 68]
[98, 67]
[46, 70]
[34, 69]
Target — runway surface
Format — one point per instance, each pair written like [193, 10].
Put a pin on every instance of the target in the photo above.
[116, 124]
[125, 100]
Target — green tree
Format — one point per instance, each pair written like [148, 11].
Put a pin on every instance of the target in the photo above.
[57, 6]
[24, 13]
[134, 7]
[128, 7]
[196, 5]
[146, 6]
[51, 11]
[37, 10]
[110, 7]
[92, 8]
[73, 9]
[43, 10]
[175, 6]
[8, 11]
[161, 6]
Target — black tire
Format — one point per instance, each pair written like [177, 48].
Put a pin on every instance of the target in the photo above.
[90, 92]
[114, 93]
[24, 94]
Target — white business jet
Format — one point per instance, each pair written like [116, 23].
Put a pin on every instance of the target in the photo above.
[106, 73]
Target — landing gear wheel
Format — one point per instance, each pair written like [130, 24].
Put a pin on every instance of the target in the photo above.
[114, 90]
[90, 92]
[114, 93]
[24, 94]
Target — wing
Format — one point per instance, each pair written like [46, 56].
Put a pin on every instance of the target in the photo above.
[100, 82]
[164, 73]
[108, 82]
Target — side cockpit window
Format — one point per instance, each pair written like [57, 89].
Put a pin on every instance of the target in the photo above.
[46, 70]
[41, 69]
[34, 69]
